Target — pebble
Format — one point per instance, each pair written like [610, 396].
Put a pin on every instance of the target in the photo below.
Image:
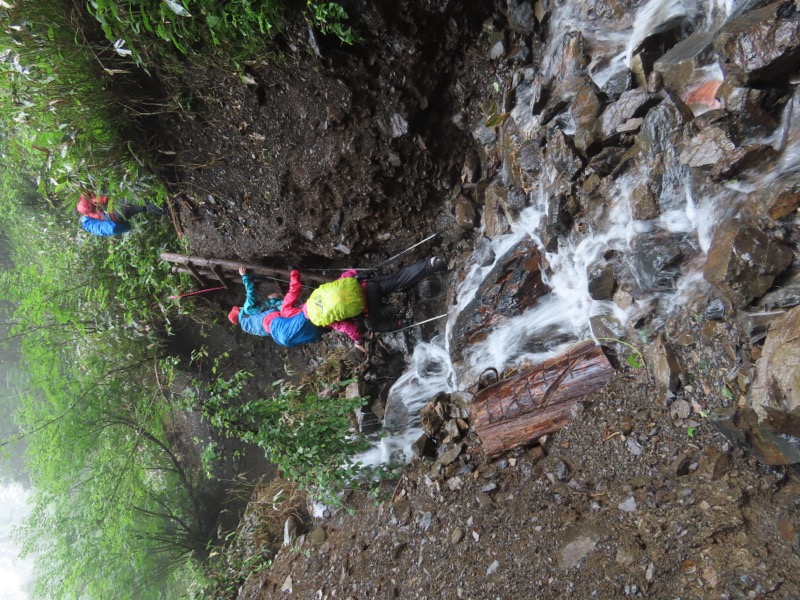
[629, 505]
[633, 447]
[492, 568]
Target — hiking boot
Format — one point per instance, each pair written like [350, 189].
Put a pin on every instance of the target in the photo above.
[436, 264]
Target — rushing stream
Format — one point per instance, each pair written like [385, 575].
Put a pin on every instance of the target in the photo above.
[690, 208]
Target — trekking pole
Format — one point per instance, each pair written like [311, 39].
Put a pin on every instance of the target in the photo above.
[386, 262]
[420, 323]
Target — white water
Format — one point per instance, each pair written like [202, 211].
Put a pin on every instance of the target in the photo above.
[690, 209]
[15, 573]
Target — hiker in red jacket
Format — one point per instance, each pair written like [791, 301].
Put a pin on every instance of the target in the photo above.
[334, 304]
[97, 220]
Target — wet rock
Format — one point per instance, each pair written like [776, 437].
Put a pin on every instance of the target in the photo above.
[761, 45]
[736, 98]
[520, 16]
[743, 262]
[424, 447]
[568, 66]
[633, 103]
[483, 255]
[484, 135]
[777, 382]
[715, 311]
[562, 154]
[619, 83]
[655, 260]
[530, 156]
[678, 65]
[742, 428]
[644, 203]
[601, 281]
[583, 112]
[742, 159]
[494, 216]
[666, 369]
[465, 213]
[785, 294]
[606, 326]
[708, 147]
[783, 203]
[514, 285]
[576, 543]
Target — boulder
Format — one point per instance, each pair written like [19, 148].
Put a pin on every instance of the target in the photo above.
[562, 154]
[679, 64]
[708, 147]
[742, 159]
[601, 281]
[465, 213]
[742, 428]
[495, 221]
[666, 368]
[520, 16]
[761, 46]
[743, 261]
[655, 258]
[514, 285]
[643, 203]
[633, 103]
[777, 381]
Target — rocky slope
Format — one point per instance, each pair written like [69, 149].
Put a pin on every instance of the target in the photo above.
[674, 481]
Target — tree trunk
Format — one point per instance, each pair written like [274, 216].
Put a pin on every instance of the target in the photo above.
[538, 401]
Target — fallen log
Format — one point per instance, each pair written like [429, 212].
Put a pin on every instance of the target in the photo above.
[232, 265]
[520, 409]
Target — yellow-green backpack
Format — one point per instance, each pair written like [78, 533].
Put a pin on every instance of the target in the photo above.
[335, 301]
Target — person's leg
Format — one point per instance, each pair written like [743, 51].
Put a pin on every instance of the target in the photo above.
[407, 276]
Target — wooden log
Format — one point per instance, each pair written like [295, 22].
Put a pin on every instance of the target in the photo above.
[232, 265]
[520, 409]
[195, 273]
[220, 277]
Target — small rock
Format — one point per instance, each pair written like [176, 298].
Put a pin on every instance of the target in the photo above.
[561, 470]
[318, 536]
[287, 584]
[492, 568]
[628, 505]
[456, 536]
[489, 487]
[633, 446]
[680, 409]
[456, 483]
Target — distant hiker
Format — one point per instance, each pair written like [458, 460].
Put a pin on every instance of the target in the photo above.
[284, 322]
[335, 303]
[98, 221]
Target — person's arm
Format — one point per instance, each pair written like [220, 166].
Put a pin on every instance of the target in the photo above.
[251, 298]
[295, 287]
[348, 328]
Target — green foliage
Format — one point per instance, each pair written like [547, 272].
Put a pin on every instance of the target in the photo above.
[306, 433]
[330, 18]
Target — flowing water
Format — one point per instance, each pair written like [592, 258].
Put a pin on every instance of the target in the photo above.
[690, 209]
